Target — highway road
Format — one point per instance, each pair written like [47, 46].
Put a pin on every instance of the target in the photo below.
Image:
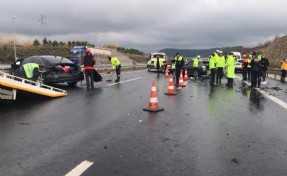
[202, 131]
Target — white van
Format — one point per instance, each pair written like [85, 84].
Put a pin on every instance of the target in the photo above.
[152, 58]
[238, 66]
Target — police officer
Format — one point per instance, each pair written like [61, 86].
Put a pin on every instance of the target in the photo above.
[220, 64]
[255, 70]
[179, 63]
[212, 67]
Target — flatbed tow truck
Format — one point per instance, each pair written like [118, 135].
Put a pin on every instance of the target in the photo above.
[9, 84]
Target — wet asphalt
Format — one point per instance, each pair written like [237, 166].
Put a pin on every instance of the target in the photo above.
[202, 131]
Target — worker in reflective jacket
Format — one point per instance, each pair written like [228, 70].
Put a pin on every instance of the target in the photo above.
[179, 63]
[173, 67]
[31, 71]
[245, 63]
[283, 69]
[195, 67]
[249, 68]
[230, 69]
[220, 64]
[158, 63]
[212, 67]
[116, 64]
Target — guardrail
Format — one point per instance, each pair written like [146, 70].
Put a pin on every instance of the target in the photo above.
[274, 73]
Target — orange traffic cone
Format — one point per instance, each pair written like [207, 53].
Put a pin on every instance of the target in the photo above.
[180, 83]
[170, 90]
[166, 72]
[153, 106]
[185, 75]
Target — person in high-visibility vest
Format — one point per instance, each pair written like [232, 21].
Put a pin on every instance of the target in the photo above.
[179, 63]
[245, 63]
[158, 63]
[220, 64]
[172, 69]
[212, 67]
[31, 71]
[283, 69]
[116, 64]
[195, 67]
[230, 69]
[249, 67]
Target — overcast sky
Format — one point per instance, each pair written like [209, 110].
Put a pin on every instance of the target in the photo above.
[147, 25]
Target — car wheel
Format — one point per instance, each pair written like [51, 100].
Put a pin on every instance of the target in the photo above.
[72, 84]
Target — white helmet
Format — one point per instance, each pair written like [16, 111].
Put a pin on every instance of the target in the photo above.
[198, 56]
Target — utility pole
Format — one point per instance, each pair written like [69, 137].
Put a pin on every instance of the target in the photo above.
[42, 21]
[13, 20]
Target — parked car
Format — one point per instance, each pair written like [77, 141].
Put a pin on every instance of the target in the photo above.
[55, 69]
[202, 70]
[152, 58]
[238, 66]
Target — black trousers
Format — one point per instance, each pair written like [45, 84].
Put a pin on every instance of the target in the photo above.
[219, 74]
[244, 73]
[264, 72]
[283, 75]
[212, 76]
[248, 73]
[177, 74]
[89, 77]
[118, 72]
[255, 79]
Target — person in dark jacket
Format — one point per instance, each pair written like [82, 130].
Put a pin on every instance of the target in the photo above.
[265, 65]
[89, 62]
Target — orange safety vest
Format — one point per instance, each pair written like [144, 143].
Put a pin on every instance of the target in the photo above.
[284, 65]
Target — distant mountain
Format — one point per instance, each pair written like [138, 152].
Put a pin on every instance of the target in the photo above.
[202, 52]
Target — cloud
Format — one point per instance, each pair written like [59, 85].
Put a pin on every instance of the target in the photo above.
[147, 24]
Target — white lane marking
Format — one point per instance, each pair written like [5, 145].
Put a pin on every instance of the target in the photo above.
[122, 73]
[81, 168]
[129, 80]
[266, 94]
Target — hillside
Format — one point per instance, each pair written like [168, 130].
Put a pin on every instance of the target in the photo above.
[276, 51]
[7, 54]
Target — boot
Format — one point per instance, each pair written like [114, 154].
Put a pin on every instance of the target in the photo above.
[117, 80]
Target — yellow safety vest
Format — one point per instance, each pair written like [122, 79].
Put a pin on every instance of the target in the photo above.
[29, 68]
[115, 62]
